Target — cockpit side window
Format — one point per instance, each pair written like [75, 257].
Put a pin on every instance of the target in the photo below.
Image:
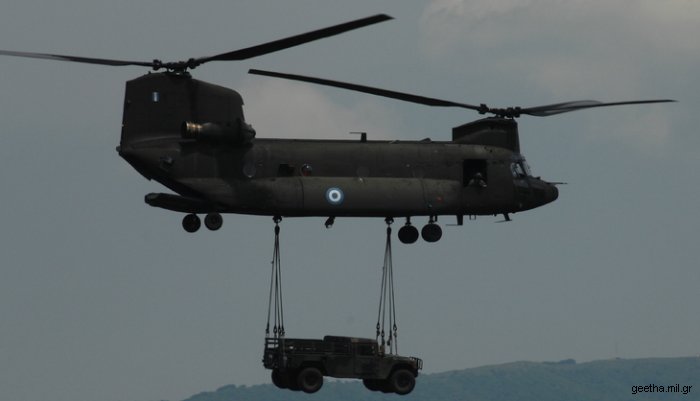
[520, 169]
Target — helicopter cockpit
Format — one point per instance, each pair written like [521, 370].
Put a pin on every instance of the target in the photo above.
[531, 191]
[520, 169]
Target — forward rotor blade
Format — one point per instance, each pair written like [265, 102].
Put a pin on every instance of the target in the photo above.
[75, 59]
[511, 112]
[296, 40]
[368, 89]
[558, 108]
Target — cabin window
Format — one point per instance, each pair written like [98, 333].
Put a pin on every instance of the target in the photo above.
[365, 349]
[474, 172]
[285, 170]
[155, 97]
[341, 348]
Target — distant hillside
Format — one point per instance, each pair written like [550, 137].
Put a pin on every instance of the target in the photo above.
[522, 381]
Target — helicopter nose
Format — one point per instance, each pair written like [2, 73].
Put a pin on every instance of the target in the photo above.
[551, 193]
[543, 192]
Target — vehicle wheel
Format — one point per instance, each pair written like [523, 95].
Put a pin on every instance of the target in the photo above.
[191, 223]
[385, 387]
[310, 380]
[279, 379]
[402, 381]
[372, 384]
[408, 234]
[213, 221]
[431, 232]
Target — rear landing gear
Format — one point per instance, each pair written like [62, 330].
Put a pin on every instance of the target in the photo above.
[408, 234]
[191, 222]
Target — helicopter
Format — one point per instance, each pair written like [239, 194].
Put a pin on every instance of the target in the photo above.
[191, 136]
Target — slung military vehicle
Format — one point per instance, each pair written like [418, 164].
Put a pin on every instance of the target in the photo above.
[300, 364]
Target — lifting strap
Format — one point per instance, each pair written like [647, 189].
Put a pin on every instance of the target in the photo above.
[387, 306]
[274, 306]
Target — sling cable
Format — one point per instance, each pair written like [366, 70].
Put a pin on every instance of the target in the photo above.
[387, 306]
[275, 309]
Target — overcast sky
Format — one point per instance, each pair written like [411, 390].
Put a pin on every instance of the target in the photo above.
[103, 297]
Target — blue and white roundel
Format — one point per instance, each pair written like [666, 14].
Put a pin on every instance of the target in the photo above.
[335, 196]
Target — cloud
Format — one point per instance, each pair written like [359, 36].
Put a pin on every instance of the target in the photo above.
[647, 130]
[669, 24]
[447, 10]
[281, 109]
[448, 25]
[672, 25]
[556, 50]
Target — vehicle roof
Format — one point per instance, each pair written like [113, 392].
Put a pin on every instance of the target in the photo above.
[348, 339]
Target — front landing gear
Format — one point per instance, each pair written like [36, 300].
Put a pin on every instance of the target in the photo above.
[191, 222]
[213, 221]
[431, 232]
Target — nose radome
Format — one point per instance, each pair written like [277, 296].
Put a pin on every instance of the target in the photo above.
[552, 193]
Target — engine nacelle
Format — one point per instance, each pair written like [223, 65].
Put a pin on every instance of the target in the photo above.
[237, 132]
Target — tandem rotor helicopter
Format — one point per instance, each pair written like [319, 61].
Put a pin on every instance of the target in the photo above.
[191, 136]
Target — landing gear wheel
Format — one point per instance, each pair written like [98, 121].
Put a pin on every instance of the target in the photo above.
[280, 379]
[431, 232]
[402, 381]
[310, 380]
[191, 223]
[213, 221]
[408, 234]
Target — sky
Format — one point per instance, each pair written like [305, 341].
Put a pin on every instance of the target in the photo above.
[104, 297]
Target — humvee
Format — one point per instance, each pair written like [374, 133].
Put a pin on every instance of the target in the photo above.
[300, 364]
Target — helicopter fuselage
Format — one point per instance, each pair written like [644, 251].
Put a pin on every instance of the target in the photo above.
[191, 136]
[226, 170]
[339, 178]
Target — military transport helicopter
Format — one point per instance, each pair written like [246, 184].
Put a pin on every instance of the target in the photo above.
[191, 136]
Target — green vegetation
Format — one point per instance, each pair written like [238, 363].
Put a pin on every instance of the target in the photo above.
[522, 381]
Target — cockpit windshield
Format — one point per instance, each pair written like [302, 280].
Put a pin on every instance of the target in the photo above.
[520, 169]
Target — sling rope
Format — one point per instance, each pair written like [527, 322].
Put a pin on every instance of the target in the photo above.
[274, 306]
[387, 306]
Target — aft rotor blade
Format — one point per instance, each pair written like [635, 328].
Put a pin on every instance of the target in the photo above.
[241, 54]
[368, 89]
[558, 108]
[296, 40]
[75, 59]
